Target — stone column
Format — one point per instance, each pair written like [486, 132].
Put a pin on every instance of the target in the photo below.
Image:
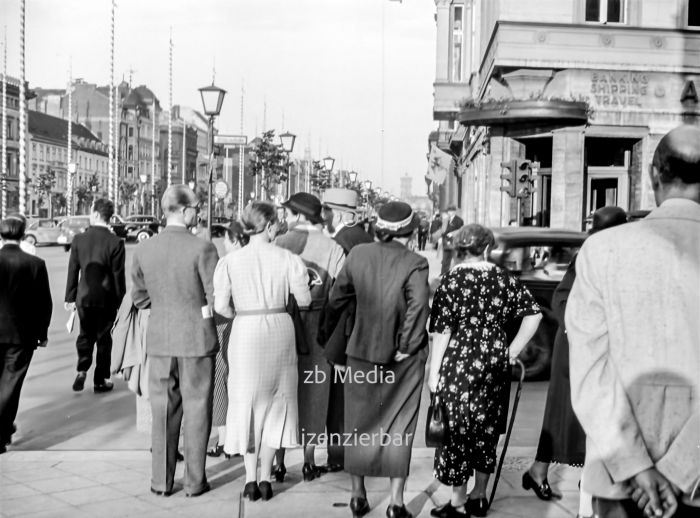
[568, 189]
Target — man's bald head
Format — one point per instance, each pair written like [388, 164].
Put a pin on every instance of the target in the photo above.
[177, 197]
[677, 157]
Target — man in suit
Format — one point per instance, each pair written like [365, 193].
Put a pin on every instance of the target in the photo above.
[25, 314]
[633, 323]
[95, 287]
[173, 275]
[454, 222]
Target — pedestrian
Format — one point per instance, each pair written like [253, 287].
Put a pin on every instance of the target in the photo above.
[234, 239]
[262, 382]
[423, 230]
[435, 229]
[633, 322]
[348, 232]
[470, 364]
[172, 274]
[323, 258]
[95, 287]
[281, 220]
[562, 440]
[386, 352]
[454, 222]
[25, 315]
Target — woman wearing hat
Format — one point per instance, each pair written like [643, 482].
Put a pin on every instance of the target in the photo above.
[469, 367]
[386, 353]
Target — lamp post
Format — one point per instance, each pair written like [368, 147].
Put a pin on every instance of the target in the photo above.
[212, 99]
[287, 143]
[328, 164]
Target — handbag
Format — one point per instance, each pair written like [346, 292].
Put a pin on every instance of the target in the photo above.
[299, 332]
[436, 424]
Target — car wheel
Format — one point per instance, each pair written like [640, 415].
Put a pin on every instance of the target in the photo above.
[537, 354]
[31, 240]
[142, 236]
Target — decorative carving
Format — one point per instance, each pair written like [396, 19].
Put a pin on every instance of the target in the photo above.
[541, 37]
[657, 42]
[607, 40]
[660, 91]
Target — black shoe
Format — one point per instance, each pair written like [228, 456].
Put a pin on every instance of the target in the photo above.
[279, 472]
[104, 386]
[330, 468]
[359, 506]
[310, 472]
[79, 383]
[398, 511]
[251, 491]
[204, 489]
[217, 450]
[265, 490]
[543, 491]
[179, 457]
[448, 511]
[3, 448]
[477, 506]
[7, 439]
[161, 493]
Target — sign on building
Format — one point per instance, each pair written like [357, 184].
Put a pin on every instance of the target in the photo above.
[230, 140]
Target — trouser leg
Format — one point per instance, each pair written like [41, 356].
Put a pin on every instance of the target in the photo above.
[14, 363]
[446, 261]
[197, 384]
[335, 421]
[166, 407]
[86, 338]
[103, 356]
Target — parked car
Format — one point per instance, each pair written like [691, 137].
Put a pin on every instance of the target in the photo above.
[71, 226]
[140, 227]
[43, 231]
[118, 226]
[539, 257]
[219, 225]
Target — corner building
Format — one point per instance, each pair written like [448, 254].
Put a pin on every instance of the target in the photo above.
[584, 87]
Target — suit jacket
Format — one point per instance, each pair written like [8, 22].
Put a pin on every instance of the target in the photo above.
[390, 286]
[173, 274]
[454, 224]
[96, 275]
[25, 298]
[633, 323]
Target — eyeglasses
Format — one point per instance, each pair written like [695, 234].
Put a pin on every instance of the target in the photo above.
[196, 208]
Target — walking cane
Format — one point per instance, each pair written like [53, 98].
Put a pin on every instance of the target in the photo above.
[508, 432]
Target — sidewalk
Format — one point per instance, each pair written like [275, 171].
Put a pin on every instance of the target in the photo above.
[107, 484]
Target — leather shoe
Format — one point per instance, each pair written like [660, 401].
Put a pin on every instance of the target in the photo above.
[543, 490]
[79, 383]
[330, 468]
[161, 493]
[265, 490]
[477, 506]
[279, 472]
[251, 491]
[104, 386]
[204, 489]
[359, 506]
[447, 511]
[310, 472]
[216, 451]
[398, 511]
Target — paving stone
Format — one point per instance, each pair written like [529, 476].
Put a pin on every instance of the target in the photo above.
[78, 497]
[66, 483]
[36, 504]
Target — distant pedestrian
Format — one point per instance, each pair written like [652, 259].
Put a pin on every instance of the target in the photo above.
[633, 322]
[387, 351]
[470, 364]
[95, 287]
[172, 274]
[25, 315]
[423, 231]
[454, 222]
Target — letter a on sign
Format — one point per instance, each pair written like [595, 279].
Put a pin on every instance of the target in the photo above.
[689, 92]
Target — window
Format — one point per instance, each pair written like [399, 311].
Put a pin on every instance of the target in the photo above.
[131, 153]
[131, 131]
[693, 13]
[10, 127]
[605, 11]
[457, 42]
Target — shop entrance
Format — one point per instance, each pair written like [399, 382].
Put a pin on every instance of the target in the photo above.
[607, 164]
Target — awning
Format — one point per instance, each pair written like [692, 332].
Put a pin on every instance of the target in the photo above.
[514, 112]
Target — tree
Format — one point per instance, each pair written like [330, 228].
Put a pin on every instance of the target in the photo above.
[320, 178]
[43, 186]
[128, 190]
[269, 162]
[85, 193]
[59, 202]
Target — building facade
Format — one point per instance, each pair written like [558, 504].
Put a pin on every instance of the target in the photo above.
[578, 92]
[11, 144]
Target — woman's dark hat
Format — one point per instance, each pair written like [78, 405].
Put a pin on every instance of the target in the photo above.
[396, 218]
[607, 217]
[306, 204]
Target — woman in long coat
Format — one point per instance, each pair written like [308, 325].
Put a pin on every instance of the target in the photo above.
[386, 352]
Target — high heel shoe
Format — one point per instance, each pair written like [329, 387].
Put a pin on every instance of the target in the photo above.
[279, 473]
[216, 451]
[477, 506]
[310, 472]
[265, 490]
[359, 506]
[398, 511]
[543, 490]
[251, 491]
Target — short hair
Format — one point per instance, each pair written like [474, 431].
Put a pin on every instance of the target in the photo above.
[12, 227]
[104, 207]
[177, 197]
[257, 216]
[235, 233]
[677, 157]
[473, 239]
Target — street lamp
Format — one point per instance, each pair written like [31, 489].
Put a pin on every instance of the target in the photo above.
[353, 176]
[368, 184]
[191, 184]
[212, 99]
[287, 142]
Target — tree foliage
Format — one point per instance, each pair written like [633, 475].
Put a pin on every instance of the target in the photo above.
[269, 162]
[85, 193]
[44, 184]
[320, 178]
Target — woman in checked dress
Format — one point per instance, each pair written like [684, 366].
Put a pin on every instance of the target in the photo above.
[262, 384]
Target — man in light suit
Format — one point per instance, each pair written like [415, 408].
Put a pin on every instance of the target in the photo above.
[172, 275]
[633, 323]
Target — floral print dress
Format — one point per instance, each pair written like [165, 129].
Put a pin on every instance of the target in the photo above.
[474, 303]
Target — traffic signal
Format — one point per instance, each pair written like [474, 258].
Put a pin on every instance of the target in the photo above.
[511, 177]
[526, 177]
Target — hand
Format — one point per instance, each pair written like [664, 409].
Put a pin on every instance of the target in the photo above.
[653, 494]
[433, 380]
[399, 357]
[513, 356]
[69, 306]
[339, 368]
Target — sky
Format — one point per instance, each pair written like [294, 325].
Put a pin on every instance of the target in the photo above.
[315, 64]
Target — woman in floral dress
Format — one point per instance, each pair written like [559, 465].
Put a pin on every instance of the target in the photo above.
[473, 305]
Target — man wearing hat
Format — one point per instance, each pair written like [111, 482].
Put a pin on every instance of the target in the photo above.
[454, 222]
[323, 258]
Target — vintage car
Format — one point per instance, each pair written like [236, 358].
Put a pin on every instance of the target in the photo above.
[118, 226]
[140, 227]
[43, 231]
[71, 226]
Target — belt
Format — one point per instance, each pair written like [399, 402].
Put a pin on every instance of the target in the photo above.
[264, 311]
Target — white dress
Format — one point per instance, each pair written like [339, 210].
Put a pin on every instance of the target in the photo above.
[262, 381]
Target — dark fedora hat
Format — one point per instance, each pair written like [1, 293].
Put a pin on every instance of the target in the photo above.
[606, 217]
[306, 204]
[396, 218]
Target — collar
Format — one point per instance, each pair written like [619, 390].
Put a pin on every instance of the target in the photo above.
[9, 244]
[310, 227]
[175, 228]
[679, 208]
[340, 227]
